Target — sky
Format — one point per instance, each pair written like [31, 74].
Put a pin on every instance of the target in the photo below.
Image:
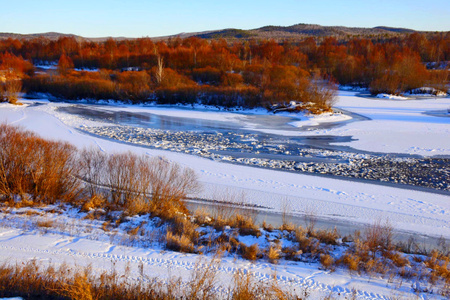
[141, 18]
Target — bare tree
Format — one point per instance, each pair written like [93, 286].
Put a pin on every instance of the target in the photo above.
[93, 165]
[159, 70]
[122, 177]
[170, 184]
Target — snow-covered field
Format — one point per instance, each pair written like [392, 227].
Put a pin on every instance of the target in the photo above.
[398, 126]
[83, 243]
[394, 126]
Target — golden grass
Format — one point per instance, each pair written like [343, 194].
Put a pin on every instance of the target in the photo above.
[273, 255]
[249, 252]
[32, 281]
[327, 261]
[179, 242]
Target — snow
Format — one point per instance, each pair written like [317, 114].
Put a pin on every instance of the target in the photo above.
[52, 66]
[80, 242]
[426, 92]
[408, 126]
[394, 126]
[314, 120]
[86, 69]
[419, 92]
[389, 96]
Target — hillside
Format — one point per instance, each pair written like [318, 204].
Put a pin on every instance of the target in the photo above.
[48, 35]
[301, 31]
[311, 30]
[298, 31]
[54, 36]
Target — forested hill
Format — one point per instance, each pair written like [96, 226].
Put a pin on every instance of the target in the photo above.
[53, 36]
[48, 35]
[294, 32]
[301, 31]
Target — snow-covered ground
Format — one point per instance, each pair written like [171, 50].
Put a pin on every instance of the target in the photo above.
[392, 97]
[78, 242]
[395, 126]
[16, 245]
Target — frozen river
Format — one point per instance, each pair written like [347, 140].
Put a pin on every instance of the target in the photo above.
[245, 140]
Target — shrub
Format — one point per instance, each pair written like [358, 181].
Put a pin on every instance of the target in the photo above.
[396, 258]
[33, 166]
[249, 252]
[171, 95]
[328, 237]
[181, 243]
[322, 93]
[93, 168]
[231, 79]
[208, 75]
[169, 185]
[273, 255]
[246, 225]
[138, 183]
[9, 91]
[122, 177]
[327, 261]
[378, 236]
[351, 261]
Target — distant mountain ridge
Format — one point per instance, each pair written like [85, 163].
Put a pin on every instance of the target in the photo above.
[49, 35]
[304, 30]
[53, 36]
[297, 31]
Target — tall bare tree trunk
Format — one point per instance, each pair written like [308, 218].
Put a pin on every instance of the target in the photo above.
[160, 70]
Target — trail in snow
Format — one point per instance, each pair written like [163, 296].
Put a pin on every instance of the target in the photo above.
[101, 256]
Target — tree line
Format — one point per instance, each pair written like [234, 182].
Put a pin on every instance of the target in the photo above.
[239, 73]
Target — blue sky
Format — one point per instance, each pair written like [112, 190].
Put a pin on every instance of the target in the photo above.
[139, 18]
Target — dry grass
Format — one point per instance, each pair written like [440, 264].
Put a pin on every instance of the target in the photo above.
[249, 252]
[273, 255]
[327, 261]
[94, 202]
[245, 286]
[328, 237]
[78, 288]
[379, 235]
[351, 261]
[439, 267]
[179, 242]
[204, 279]
[32, 281]
[244, 222]
[267, 227]
[106, 225]
[397, 258]
[232, 212]
[45, 224]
